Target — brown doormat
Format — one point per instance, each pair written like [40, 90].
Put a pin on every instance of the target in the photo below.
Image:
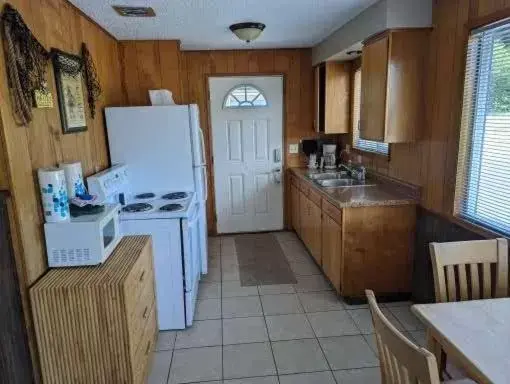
[262, 261]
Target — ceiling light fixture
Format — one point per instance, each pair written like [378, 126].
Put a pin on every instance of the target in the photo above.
[128, 11]
[247, 31]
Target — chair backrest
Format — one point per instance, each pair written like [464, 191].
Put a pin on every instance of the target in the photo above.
[401, 360]
[470, 270]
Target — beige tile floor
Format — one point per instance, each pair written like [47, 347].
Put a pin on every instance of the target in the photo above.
[286, 334]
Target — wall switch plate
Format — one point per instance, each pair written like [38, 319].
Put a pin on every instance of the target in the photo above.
[293, 148]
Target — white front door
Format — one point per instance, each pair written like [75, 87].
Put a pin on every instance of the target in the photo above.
[247, 132]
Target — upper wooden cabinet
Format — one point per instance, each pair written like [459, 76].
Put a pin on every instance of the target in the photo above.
[392, 86]
[332, 85]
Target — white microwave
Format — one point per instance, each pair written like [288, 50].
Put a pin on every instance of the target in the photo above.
[85, 240]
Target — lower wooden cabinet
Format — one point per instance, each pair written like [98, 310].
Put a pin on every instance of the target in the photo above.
[98, 324]
[310, 226]
[295, 212]
[304, 225]
[378, 247]
[332, 250]
[315, 231]
[358, 248]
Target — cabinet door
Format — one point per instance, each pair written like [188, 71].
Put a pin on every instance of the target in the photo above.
[337, 101]
[332, 251]
[316, 97]
[315, 232]
[303, 218]
[294, 191]
[374, 73]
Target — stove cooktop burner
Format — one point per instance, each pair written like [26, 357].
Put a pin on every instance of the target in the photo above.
[175, 196]
[171, 208]
[148, 195]
[137, 207]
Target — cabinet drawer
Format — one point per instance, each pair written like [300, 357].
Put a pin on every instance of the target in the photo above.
[332, 211]
[139, 363]
[139, 317]
[140, 274]
[315, 197]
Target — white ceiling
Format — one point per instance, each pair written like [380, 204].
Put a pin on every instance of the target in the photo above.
[203, 24]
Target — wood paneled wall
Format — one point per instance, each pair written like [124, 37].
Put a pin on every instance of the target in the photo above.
[432, 162]
[56, 23]
[160, 64]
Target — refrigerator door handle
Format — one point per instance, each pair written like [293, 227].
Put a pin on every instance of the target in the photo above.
[206, 188]
[202, 145]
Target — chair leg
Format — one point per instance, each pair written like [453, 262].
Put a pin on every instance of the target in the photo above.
[434, 347]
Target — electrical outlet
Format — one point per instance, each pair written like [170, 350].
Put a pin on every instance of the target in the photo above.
[293, 149]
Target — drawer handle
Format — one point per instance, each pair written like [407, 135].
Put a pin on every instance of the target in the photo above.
[147, 350]
[145, 312]
[142, 275]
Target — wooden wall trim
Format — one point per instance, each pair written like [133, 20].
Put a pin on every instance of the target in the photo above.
[493, 17]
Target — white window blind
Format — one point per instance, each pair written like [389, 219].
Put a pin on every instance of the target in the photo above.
[357, 142]
[483, 173]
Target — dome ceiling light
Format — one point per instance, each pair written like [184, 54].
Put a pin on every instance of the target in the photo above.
[247, 31]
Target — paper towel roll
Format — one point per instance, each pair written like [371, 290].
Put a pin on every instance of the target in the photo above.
[74, 179]
[161, 97]
[52, 183]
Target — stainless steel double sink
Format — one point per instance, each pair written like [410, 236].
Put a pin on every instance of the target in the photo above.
[338, 179]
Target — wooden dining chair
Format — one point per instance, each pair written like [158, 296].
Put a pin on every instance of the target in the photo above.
[470, 270]
[402, 361]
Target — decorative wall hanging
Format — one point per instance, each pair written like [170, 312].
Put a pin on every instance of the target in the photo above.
[91, 79]
[43, 98]
[68, 76]
[26, 61]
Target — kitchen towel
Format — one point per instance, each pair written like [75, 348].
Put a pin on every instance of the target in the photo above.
[74, 179]
[52, 183]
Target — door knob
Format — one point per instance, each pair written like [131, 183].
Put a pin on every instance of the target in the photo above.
[277, 175]
[277, 155]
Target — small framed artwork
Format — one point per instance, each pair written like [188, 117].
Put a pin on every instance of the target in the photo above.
[68, 77]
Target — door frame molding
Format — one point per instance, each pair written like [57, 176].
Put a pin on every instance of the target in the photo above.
[212, 187]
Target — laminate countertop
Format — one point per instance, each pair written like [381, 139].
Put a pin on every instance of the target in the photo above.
[380, 192]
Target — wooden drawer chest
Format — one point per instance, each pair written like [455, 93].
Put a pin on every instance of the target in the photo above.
[98, 324]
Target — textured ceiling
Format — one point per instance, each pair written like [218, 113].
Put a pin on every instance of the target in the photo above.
[203, 24]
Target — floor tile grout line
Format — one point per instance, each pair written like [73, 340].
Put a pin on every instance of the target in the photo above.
[305, 313]
[221, 312]
[270, 345]
[320, 346]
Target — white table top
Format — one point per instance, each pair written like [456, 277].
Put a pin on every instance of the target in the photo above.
[478, 331]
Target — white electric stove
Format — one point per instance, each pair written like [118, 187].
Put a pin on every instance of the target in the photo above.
[172, 219]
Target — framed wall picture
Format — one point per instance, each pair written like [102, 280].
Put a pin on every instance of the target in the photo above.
[71, 102]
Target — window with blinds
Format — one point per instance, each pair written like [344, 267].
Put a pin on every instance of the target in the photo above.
[482, 193]
[357, 142]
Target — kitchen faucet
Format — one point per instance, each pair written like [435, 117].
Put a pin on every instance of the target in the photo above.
[356, 172]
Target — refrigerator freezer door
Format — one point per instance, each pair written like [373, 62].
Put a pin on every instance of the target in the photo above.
[197, 137]
[155, 144]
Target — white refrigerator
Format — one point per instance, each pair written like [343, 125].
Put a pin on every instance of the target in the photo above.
[168, 145]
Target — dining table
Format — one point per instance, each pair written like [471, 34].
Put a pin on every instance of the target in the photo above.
[474, 334]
